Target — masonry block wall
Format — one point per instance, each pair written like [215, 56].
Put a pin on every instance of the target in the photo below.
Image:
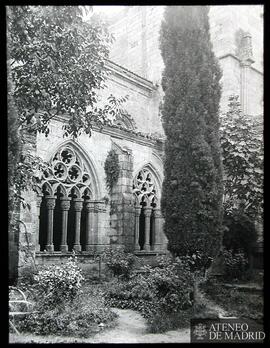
[137, 46]
[143, 98]
[113, 214]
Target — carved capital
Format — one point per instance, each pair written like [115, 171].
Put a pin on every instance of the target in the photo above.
[147, 212]
[89, 206]
[138, 210]
[50, 202]
[157, 213]
[78, 204]
[39, 200]
[65, 203]
[99, 207]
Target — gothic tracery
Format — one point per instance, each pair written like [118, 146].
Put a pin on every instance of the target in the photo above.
[68, 170]
[147, 216]
[67, 207]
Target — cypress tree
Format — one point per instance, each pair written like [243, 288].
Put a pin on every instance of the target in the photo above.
[192, 188]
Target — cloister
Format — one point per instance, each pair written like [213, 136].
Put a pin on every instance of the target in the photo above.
[69, 207]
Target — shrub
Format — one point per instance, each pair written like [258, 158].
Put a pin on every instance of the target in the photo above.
[162, 321]
[58, 284]
[172, 281]
[119, 262]
[240, 233]
[79, 318]
[164, 288]
[235, 264]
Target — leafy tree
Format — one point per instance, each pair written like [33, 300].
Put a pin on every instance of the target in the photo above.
[242, 149]
[240, 234]
[192, 187]
[57, 66]
[242, 146]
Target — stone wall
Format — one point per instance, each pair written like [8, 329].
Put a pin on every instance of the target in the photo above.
[136, 32]
[143, 101]
[112, 228]
[136, 47]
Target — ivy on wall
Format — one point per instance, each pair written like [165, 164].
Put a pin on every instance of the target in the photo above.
[112, 169]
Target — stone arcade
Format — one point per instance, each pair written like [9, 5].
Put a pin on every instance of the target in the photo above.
[74, 209]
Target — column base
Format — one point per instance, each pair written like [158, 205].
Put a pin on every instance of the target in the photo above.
[49, 247]
[77, 247]
[137, 248]
[64, 248]
[37, 247]
[157, 247]
[146, 247]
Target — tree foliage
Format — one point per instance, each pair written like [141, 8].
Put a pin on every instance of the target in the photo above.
[242, 147]
[240, 234]
[192, 187]
[57, 67]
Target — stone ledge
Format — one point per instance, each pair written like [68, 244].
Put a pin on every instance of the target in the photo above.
[149, 253]
[229, 54]
[130, 76]
[244, 287]
[63, 254]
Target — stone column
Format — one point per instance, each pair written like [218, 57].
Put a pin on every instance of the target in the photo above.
[78, 204]
[157, 229]
[65, 205]
[246, 57]
[96, 237]
[244, 87]
[50, 204]
[39, 200]
[147, 214]
[89, 226]
[137, 227]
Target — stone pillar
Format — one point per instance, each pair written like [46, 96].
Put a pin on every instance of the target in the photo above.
[78, 204]
[96, 236]
[137, 227]
[244, 87]
[50, 204]
[65, 205]
[246, 58]
[147, 214]
[39, 200]
[89, 226]
[157, 229]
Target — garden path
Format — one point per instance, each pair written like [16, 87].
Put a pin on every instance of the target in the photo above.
[131, 328]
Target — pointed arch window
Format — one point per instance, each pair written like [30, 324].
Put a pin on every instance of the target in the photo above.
[66, 210]
[146, 207]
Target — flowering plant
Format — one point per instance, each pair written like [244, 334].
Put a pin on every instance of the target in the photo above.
[59, 283]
